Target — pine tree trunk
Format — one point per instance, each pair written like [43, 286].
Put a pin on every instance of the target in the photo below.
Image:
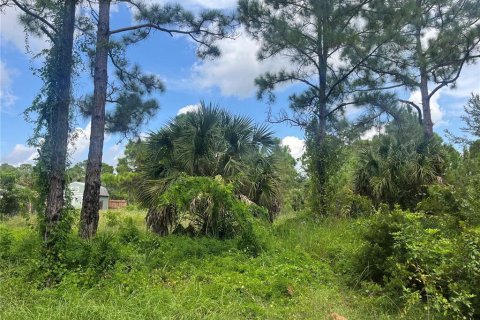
[57, 141]
[321, 134]
[427, 115]
[91, 196]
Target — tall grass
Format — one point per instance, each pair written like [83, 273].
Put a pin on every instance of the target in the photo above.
[128, 273]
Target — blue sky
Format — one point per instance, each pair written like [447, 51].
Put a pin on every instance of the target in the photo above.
[227, 81]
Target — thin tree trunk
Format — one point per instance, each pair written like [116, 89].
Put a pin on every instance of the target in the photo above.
[91, 196]
[321, 134]
[58, 124]
[427, 115]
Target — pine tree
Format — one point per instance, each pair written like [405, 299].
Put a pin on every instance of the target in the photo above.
[327, 45]
[472, 117]
[431, 42]
[131, 111]
[56, 21]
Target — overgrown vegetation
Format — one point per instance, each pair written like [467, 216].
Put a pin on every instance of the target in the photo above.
[222, 222]
[127, 272]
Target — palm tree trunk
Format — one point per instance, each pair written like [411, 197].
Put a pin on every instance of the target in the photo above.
[91, 196]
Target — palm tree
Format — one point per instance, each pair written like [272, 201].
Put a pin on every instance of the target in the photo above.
[209, 142]
[396, 168]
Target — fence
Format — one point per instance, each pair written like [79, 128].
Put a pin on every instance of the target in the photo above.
[117, 204]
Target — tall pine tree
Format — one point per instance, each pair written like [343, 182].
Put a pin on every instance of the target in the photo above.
[56, 21]
[204, 29]
[431, 42]
[327, 44]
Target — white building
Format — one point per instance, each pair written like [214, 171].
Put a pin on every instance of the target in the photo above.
[77, 189]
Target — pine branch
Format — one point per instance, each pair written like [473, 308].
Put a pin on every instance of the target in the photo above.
[29, 12]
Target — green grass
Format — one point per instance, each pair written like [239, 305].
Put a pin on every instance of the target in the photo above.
[304, 272]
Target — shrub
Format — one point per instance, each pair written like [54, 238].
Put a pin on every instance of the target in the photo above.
[418, 258]
[111, 218]
[249, 243]
[396, 167]
[346, 203]
[201, 206]
[128, 232]
[104, 253]
[447, 201]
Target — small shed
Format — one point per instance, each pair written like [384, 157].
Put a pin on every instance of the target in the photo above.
[77, 188]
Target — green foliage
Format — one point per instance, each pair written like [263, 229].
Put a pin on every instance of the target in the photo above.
[130, 114]
[128, 232]
[9, 203]
[406, 59]
[297, 274]
[6, 241]
[204, 206]
[423, 258]
[16, 195]
[312, 35]
[463, 175]
[249, 242]
[323, 163]
[472, 117]
[121, 185]
[341, 200]
[396, 167]
[78, 171]
[211, 142]
[111, 218]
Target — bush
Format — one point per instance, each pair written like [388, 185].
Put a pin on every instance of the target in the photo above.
[396, 167]
[201, 206]
[418, 258]
[112, 218]
[249, 243]
[128, 232]
[447, 201]
[347, 204]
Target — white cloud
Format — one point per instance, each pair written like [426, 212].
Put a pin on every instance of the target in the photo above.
[143, 136]
[295, 144]
[436, 111]
[212, 4]
[188, 108]
[372, 132]
[7, 98]
[114, 153]
[12, 32]
[20, 154]
[77, 150]
[429, 34]
[448, 101]
[296, 147]
[237, 67]
[79, 142]
[467, 83]
[204, 4]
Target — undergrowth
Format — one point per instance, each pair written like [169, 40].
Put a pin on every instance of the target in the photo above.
[303, 271]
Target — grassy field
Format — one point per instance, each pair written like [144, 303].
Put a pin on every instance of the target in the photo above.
[303, 272]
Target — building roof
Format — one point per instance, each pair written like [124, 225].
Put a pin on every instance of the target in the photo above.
[103, 190]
